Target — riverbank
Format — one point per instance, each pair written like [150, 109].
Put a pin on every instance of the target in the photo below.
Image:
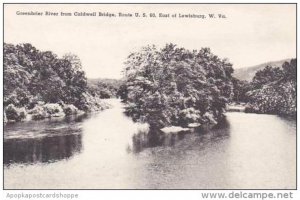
[40, 85]
[235, 107]
[44, 110]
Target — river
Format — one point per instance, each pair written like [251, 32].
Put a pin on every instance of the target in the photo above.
[108, 150]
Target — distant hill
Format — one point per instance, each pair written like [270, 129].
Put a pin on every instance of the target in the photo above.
[248, 73]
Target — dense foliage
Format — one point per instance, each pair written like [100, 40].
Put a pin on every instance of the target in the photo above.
[176, 86]
[105, 88]
[240, 89]
[274, 90]
[35, 80]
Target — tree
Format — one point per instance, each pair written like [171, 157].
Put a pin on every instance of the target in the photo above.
[175, 86]
[274, 90]
[240, 88]
[267, 75]
[32, 76]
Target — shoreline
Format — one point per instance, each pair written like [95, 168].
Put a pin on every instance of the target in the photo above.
[61, 112]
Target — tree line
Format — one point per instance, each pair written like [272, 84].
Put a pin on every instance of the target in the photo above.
[41, 84]
[177, 86]
[104, 87]
[167, 86]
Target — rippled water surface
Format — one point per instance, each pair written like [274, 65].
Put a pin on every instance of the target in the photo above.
[108, 151]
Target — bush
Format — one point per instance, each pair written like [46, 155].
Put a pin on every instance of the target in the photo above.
[189, 115]
[54, 110]
[273, 98]
[38, 112]
[89, 103]
[70, 109]
[209, 117]
[46, 111]
[15, 114]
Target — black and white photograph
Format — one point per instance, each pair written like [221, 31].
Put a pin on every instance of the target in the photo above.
[149, 96]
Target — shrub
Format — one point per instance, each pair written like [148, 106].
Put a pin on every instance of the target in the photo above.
[14, 113]
[45, 111]
[70, 109]
[89, 103]
[190, 115]
[54, 110]
[38, 112]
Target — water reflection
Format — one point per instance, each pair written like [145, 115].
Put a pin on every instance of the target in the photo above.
[245, 151]
[43, 141]
[217, 132]
[47, 127]
[46, 149]
[155, 137]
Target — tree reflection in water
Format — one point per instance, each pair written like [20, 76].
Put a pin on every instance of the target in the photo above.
[155, 137]
[46, 149]
[45, 141]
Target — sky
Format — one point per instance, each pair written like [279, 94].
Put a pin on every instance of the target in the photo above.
[249, 35]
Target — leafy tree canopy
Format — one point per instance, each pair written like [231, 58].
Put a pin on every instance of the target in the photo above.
[172, 85]
[274, 90]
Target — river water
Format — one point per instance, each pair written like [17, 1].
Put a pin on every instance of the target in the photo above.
[108, 150]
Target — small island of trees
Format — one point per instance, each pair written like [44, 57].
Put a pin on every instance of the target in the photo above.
[176, 86]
